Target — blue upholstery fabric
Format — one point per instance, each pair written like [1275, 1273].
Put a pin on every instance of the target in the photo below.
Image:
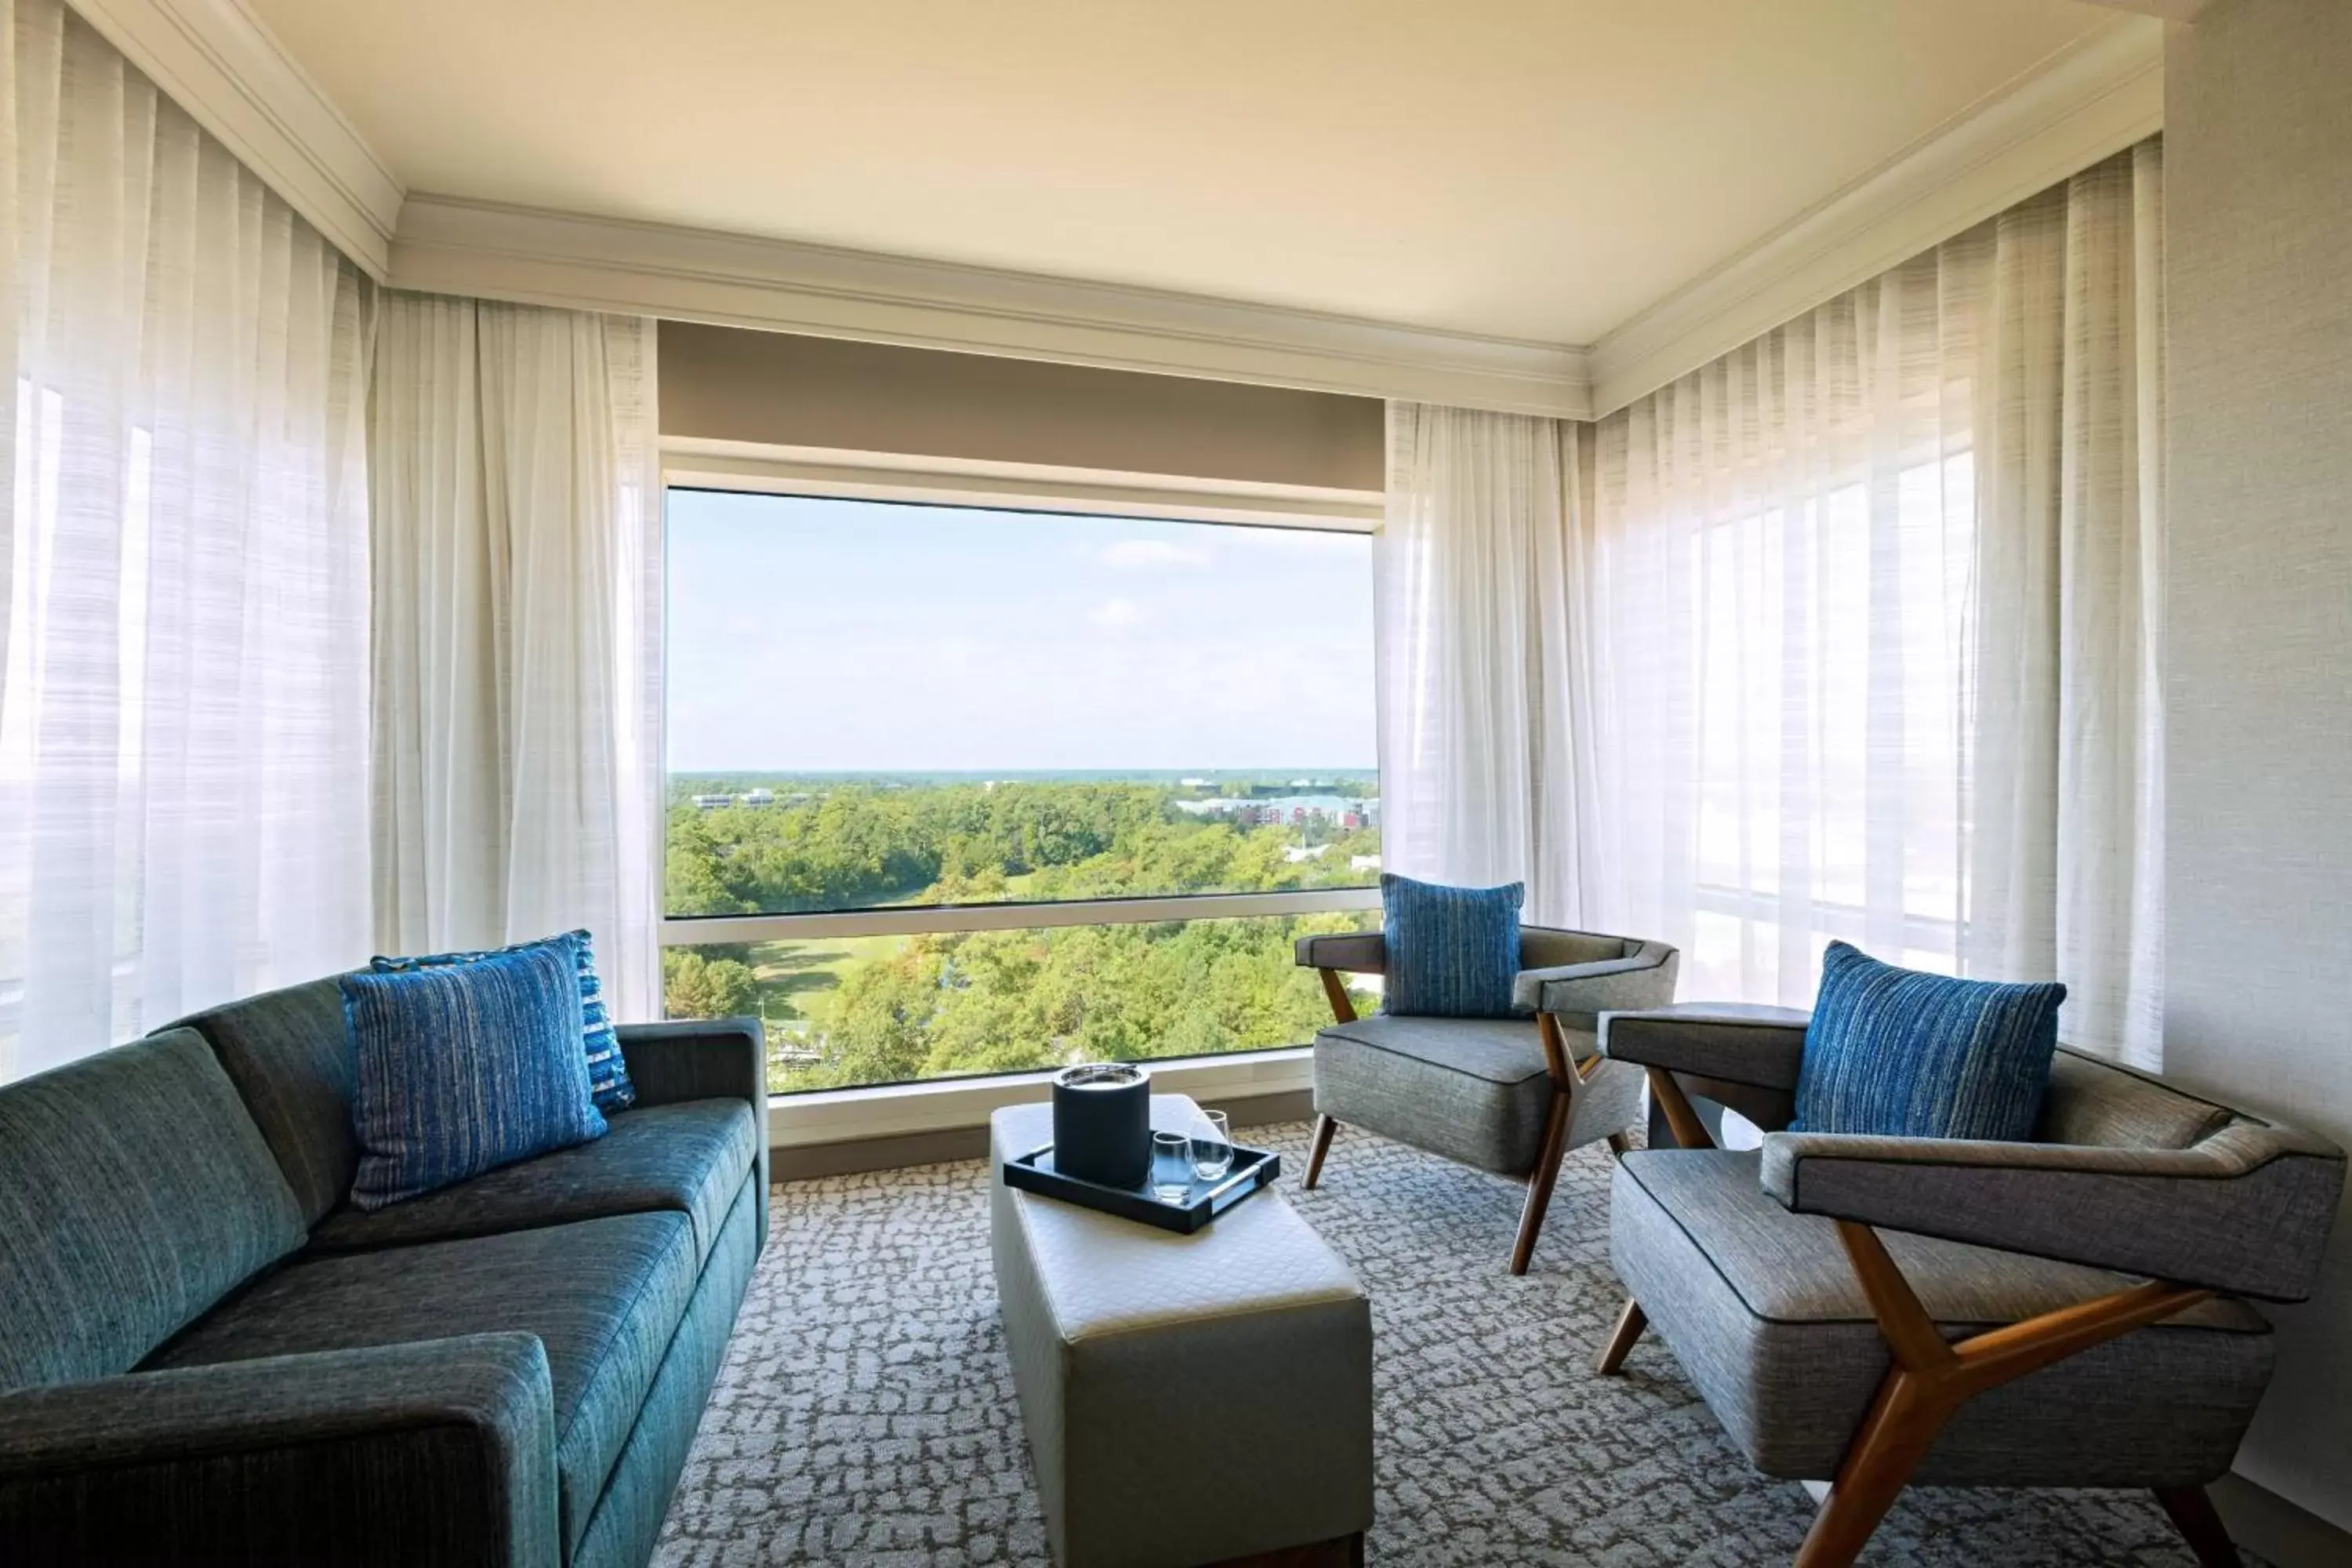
[628, 1518]
[604, 1297]
[289, 1054]
[1452, 953]
[439, 1451]
[608, 1074]
[464, 1067]
[1901, 1054]
[691, 1157]
[134, 1193]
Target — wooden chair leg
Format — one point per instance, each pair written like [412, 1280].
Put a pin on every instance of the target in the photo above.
[1931, 1378]
[1541, 1180]
[1620, 1145]
[1324, 1128]
[1894, 1436]
[1630, 1325]
[2192, 1513]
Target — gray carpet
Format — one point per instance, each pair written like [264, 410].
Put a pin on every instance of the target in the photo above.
[866, 1414]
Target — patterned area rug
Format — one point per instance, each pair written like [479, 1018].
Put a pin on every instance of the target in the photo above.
[866, 1414]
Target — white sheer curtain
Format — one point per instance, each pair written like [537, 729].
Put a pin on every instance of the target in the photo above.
[1486, 750]
[184, 703]
[518, 675]
[1876, 636]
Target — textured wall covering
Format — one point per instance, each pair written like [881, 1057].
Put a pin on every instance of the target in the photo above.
[2258, 143]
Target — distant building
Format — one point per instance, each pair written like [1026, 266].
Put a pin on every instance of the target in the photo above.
[712, 802]
[1363, 862]
[760, 797]
[1193, 783]
[1295, 853]
[1351, 820]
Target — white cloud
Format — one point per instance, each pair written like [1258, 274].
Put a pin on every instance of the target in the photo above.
[1153, 555]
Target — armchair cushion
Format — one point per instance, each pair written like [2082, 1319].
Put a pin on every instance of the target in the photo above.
[1763, 1310]
[1473, 1090]
[1452, 953]
[1906, 1054]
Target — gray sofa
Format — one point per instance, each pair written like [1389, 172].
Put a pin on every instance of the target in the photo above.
[2071, 1312]
[207, 1356]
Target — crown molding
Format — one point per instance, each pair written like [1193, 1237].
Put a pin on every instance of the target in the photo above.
[2085, 104]
[451, 247]
[216, 60]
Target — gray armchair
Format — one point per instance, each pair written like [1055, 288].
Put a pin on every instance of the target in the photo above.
[1506, 1095]
[2065, 1312]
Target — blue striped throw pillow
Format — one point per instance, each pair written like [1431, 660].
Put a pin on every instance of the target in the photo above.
[464, 1067]
[608, 1072]
[1452, 953]
[1898, 1053]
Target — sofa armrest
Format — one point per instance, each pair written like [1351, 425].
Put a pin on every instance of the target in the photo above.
[704, 1058]
[2245, 1211]
[429, 1454]
[1348, 951]
[1577, 994]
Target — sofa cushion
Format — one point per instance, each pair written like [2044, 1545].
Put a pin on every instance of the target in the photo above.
[689, 1158]
[466, 1066]
[134, 1193]
[1473, 1090]
[1764, 1312]
[603, 1296]
[291, 1057]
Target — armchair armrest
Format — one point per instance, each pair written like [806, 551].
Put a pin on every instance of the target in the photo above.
[1577, 994]
[441, 1452]
[704, 1058]
[2245, 1211]
[1351, 952]
[1761, 1047]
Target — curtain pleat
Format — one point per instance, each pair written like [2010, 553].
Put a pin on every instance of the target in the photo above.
[184, 704]
[1486, 750]
[1876, 610]
[517, 511]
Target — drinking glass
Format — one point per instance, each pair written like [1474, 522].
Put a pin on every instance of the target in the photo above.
[1171, 1167]
[1213, 1146]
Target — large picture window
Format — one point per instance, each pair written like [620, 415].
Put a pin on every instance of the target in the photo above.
[956, 791]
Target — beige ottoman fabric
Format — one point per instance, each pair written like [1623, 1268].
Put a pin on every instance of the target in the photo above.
[1188, 1398]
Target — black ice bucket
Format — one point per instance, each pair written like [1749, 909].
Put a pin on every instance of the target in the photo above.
[1102, 1123]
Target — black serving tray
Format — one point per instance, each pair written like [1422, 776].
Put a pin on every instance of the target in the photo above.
[1253, 1169]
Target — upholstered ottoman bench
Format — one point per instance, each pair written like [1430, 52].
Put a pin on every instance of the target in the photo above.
[1189, 1399]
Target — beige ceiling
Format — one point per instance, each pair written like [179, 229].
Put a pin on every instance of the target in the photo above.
[1540, 169]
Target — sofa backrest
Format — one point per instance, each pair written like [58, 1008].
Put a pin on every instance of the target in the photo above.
[2095, 1102]
[134, 1193]
[291, 1057]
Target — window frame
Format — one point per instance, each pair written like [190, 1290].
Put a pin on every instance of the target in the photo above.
[807, 1117]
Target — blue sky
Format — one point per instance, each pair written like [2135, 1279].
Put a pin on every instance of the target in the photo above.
[821, 636]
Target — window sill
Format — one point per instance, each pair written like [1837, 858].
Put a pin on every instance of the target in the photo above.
[847, 1115]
